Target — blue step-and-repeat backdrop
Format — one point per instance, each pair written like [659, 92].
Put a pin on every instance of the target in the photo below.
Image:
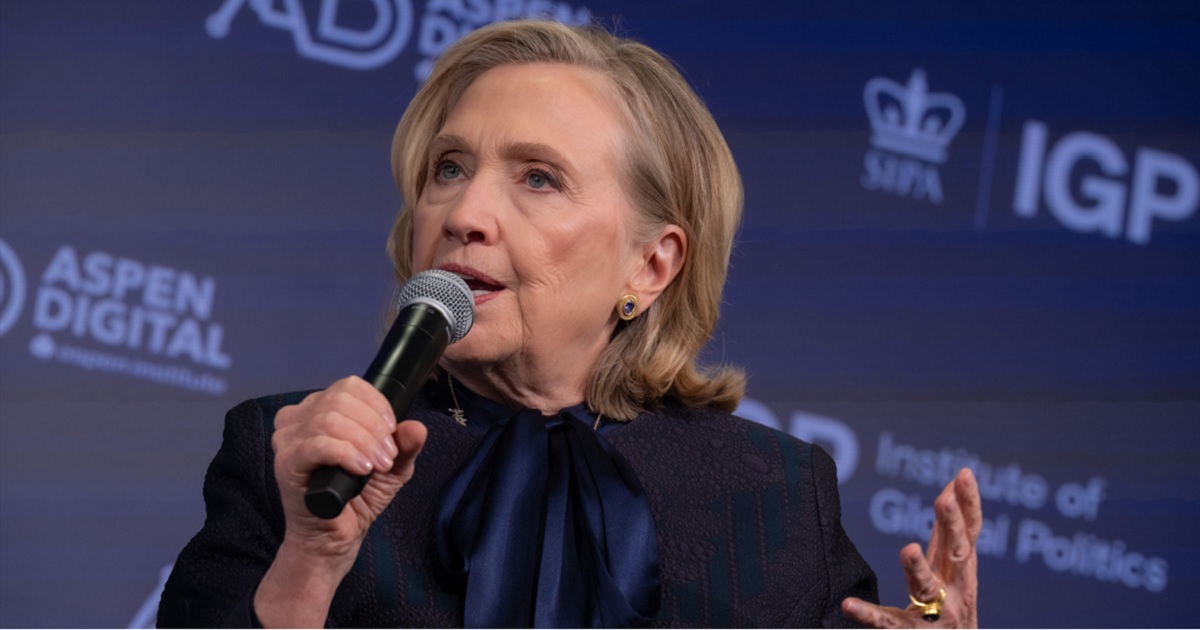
[971, 239]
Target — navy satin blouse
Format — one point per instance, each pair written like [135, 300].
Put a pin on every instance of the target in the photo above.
[546, 524]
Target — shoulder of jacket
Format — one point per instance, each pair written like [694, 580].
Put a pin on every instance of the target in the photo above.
[704, 423]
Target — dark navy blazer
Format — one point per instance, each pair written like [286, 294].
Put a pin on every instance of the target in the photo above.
[747, 519]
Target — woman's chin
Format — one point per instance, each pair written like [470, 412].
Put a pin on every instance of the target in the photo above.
[471, 351]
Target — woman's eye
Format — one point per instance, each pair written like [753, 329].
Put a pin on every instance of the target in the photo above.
[448, 170]
[538, 180]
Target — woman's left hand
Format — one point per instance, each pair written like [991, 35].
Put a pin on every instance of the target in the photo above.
[950, 565]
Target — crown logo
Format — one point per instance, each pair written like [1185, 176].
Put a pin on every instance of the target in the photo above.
[910, 120]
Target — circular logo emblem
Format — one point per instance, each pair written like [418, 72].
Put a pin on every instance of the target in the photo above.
[12, 287]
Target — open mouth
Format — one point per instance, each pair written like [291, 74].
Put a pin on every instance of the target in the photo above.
[480, 287]
[479, 284]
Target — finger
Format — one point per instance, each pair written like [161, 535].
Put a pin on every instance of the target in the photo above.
[365, 392]
[873, 616]
[410, 437]
[954, 548]
[340, 393]
[321, 412]
[969, 500]
[331, 437]
[382, 488]
[935, 539]
[353, 388]
[322, 450]
[931, 554]
[350, 406]
[923, 583]
[967, 491]
[338, 425]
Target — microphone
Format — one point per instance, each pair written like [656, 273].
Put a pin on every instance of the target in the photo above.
[436, 309]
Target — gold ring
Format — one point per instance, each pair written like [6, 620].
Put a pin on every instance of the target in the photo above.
[930, 612]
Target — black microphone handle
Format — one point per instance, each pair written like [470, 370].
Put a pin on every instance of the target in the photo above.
[406, 358]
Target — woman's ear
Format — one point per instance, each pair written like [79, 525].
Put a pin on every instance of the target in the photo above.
[661, 260]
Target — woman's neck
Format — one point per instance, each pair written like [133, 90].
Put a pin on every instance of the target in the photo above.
[517, 389]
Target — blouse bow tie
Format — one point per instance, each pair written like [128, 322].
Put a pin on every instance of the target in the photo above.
[547, 526]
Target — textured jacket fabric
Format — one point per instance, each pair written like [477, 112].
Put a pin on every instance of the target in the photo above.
[747, 520]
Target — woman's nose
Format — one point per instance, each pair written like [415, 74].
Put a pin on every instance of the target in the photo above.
[472, 218]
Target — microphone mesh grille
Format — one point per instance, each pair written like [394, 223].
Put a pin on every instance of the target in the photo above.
[446, 292]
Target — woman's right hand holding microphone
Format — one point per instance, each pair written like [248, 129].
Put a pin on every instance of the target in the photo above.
[351, 425]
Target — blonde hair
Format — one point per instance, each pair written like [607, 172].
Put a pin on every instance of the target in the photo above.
[679, 171]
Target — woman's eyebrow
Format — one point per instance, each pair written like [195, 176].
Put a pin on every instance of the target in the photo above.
[536, 151]
[445, 142]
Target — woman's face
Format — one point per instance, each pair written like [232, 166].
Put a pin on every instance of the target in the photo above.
[524, 199]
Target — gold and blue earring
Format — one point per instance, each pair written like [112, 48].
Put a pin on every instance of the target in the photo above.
[628, 307]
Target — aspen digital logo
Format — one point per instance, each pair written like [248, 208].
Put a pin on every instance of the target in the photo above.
[911, 130]
[1089, 184]
[120, 315]
[367, 34]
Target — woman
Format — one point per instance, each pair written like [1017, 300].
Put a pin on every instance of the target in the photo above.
[576, 467]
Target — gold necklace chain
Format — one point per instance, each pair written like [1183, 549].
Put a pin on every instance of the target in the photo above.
[461, 418]
[456, 412]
